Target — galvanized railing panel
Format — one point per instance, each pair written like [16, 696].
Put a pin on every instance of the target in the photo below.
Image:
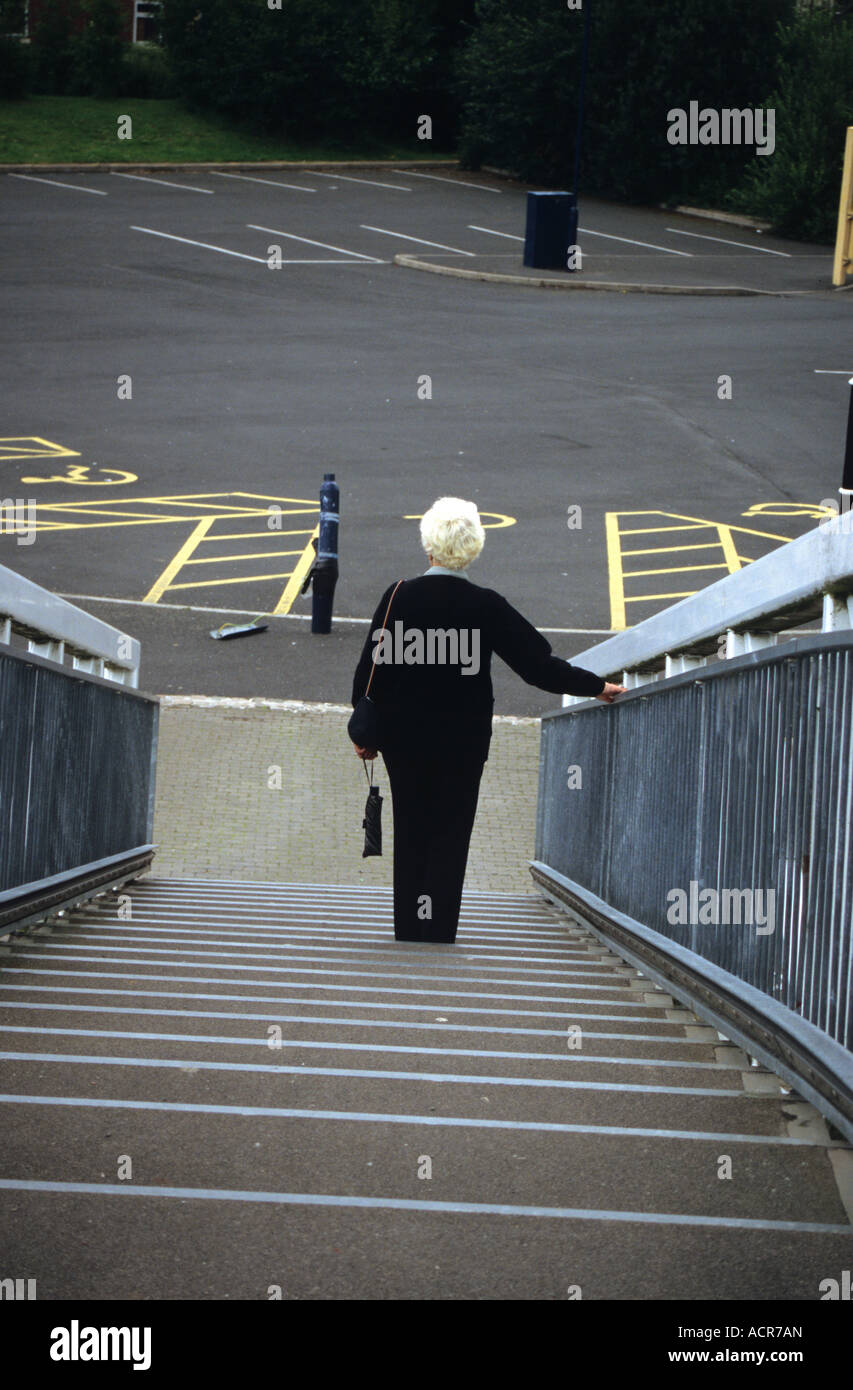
[735, 777]
[76, 770]
[57, 630]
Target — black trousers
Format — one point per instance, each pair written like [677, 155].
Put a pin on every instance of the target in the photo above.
[435, 796]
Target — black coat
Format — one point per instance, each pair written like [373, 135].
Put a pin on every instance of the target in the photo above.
[440, 702]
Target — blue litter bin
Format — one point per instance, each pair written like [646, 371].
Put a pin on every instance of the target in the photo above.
[547, 234]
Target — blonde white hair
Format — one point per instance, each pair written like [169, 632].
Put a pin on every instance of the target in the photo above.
[452, 533]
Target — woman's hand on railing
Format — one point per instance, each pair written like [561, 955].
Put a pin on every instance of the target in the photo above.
[609, 693]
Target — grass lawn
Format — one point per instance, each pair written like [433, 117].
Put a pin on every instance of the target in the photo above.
[84, 130]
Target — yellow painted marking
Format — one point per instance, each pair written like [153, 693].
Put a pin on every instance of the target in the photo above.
[297, 579]
[729, 549]
[675, 569]
[502, 520]
[164, 582]
[186, 556]
[30, 446]
[75, 476]
[725, 542]
[614, 566]
[787, 509]
[647, 598]
[111, 525]
[215, 583]
[665, 549]
[255, 555]
[643, 530]
[250, 535]
[94, 509]
[701, 521]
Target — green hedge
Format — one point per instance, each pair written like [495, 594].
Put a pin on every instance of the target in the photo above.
[15, 68]
[318, 67]
[519, 73]
[798, 189]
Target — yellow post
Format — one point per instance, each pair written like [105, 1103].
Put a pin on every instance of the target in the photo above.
[843, 263]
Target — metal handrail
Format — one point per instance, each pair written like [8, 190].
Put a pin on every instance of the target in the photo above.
[56, 629]
[78, 750]
[807, 579]
[734, 779]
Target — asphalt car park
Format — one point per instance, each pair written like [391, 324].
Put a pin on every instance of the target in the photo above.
[186, 353]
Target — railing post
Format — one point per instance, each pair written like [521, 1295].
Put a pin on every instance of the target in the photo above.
[739, 643]
[51, 651]
[677, 665]
[837, 613]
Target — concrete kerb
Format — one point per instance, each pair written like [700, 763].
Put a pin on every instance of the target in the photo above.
[541, 282]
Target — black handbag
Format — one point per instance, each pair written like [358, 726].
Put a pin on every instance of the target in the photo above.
[363, 726]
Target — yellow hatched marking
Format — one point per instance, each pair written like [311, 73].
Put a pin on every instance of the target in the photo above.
[700, 522]
[729, 549]
[115, 525]
[169, 581]
[725, 542]
[297, 579]
[165, 581]
[250, 535]
[254, 555]
[643, 530]
[30, 446]
[614, 566]
[647, 598]
[674, 569]
[215, 583]
[82, 509]
[667, 549]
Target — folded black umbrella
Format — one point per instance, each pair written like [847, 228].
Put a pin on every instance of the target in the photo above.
[372, 823]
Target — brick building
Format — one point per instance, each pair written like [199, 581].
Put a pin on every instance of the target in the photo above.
[140, 17]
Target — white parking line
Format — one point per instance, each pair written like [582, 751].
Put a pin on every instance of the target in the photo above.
[724, 241]
[509, 236]
[273, 183]
[402, 236]
[440, 178]
[348, 178]
[143, 178]
[827, 371]
[359, 255]
[631, 242]
[205, 245]
[77, 187]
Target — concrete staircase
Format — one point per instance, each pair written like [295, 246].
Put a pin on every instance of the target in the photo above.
[219, 1090]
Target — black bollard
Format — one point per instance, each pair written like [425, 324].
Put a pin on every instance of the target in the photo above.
[323, 574]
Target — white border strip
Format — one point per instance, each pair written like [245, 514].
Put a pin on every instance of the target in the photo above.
[326, 1045]
[194, 1064]
[380, 1117]
[318, 1199]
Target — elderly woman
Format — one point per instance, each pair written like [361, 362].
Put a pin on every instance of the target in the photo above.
[432, 688]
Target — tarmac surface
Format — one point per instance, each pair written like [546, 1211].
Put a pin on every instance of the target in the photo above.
[246, 383]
